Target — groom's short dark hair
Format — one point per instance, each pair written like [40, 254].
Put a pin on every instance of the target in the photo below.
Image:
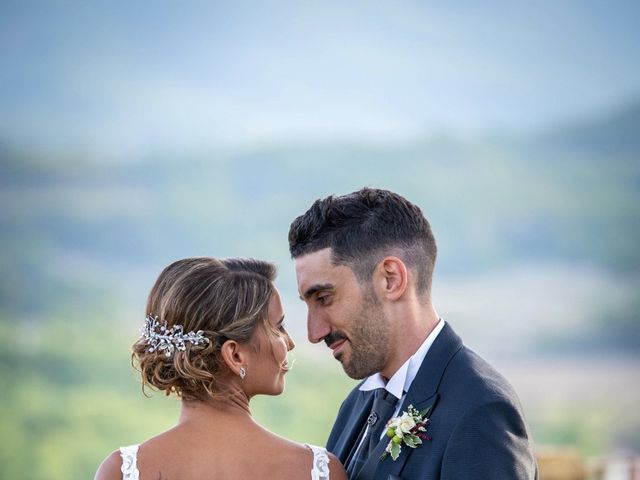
[362, 227]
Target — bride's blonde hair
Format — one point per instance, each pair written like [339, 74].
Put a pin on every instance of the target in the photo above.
[226, 299]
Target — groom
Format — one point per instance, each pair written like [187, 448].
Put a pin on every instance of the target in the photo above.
[364, 263]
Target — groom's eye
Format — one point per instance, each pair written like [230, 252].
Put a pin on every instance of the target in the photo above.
[323, 299]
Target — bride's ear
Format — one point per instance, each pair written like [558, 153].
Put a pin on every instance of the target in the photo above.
[233, 356]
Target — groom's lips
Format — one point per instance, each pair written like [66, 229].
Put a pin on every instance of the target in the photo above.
[336, 346]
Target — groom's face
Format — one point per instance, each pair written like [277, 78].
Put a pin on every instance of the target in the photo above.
[343, 313]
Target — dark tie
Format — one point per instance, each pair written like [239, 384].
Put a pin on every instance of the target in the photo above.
[383, 405]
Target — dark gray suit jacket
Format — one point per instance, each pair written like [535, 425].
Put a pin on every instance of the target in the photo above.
[477, 428]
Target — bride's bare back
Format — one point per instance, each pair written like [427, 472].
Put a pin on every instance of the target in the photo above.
[219, 445]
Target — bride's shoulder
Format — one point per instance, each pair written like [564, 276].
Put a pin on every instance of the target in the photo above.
[326, 464]
[310, 457]
[109, 469]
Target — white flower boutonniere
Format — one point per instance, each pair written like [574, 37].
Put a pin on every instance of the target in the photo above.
[409, 429]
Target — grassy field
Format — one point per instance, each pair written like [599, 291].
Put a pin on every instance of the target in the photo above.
[70, 397]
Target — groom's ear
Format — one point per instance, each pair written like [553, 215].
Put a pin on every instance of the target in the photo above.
[233, 356]
[391, 278]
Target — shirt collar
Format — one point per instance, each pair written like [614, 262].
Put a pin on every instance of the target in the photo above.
[400, 382]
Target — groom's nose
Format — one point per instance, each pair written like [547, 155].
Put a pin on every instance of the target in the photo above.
[317, 328]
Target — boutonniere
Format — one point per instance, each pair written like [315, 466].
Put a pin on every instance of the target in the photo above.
[409, 429]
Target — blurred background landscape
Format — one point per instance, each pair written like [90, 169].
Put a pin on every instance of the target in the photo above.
[136, 133]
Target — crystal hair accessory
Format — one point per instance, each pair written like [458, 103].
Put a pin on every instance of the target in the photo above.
[163, 339]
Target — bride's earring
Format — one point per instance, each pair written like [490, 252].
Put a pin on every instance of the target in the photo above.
[243, 373]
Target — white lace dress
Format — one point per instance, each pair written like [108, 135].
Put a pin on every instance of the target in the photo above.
[319, 469]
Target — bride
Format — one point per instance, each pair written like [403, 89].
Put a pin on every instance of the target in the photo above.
[214, 335]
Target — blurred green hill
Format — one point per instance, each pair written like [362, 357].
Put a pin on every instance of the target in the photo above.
[71, 221]
[614, 134]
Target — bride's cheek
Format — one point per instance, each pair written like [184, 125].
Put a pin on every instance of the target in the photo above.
[277, 349]
[283, 349]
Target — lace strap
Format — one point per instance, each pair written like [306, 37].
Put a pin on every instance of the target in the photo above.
[129, 462]
[320, 469]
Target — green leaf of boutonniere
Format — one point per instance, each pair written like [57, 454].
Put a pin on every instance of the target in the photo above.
[412, 440]
[395, 451]
[425, 413]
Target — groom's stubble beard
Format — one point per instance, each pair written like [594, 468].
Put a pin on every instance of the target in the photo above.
[369, 340]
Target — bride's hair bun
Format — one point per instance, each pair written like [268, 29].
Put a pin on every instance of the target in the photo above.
[225, 299]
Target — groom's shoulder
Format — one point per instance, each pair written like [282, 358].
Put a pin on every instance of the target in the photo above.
[469, 373]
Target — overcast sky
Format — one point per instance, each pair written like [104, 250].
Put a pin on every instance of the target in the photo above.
[128, 76]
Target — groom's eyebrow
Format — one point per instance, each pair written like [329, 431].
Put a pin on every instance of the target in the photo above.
[316, 288]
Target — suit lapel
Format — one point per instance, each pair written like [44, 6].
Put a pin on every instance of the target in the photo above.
[422, 393]
[427, 381]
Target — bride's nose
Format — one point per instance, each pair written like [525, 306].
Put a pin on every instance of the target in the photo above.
[290, 343]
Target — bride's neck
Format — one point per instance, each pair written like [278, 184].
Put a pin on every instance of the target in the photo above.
[232, 403]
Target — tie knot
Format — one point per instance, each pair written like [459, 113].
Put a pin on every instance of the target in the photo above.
[383, 395]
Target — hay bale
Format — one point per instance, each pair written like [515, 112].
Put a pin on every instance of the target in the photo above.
[561, 464]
